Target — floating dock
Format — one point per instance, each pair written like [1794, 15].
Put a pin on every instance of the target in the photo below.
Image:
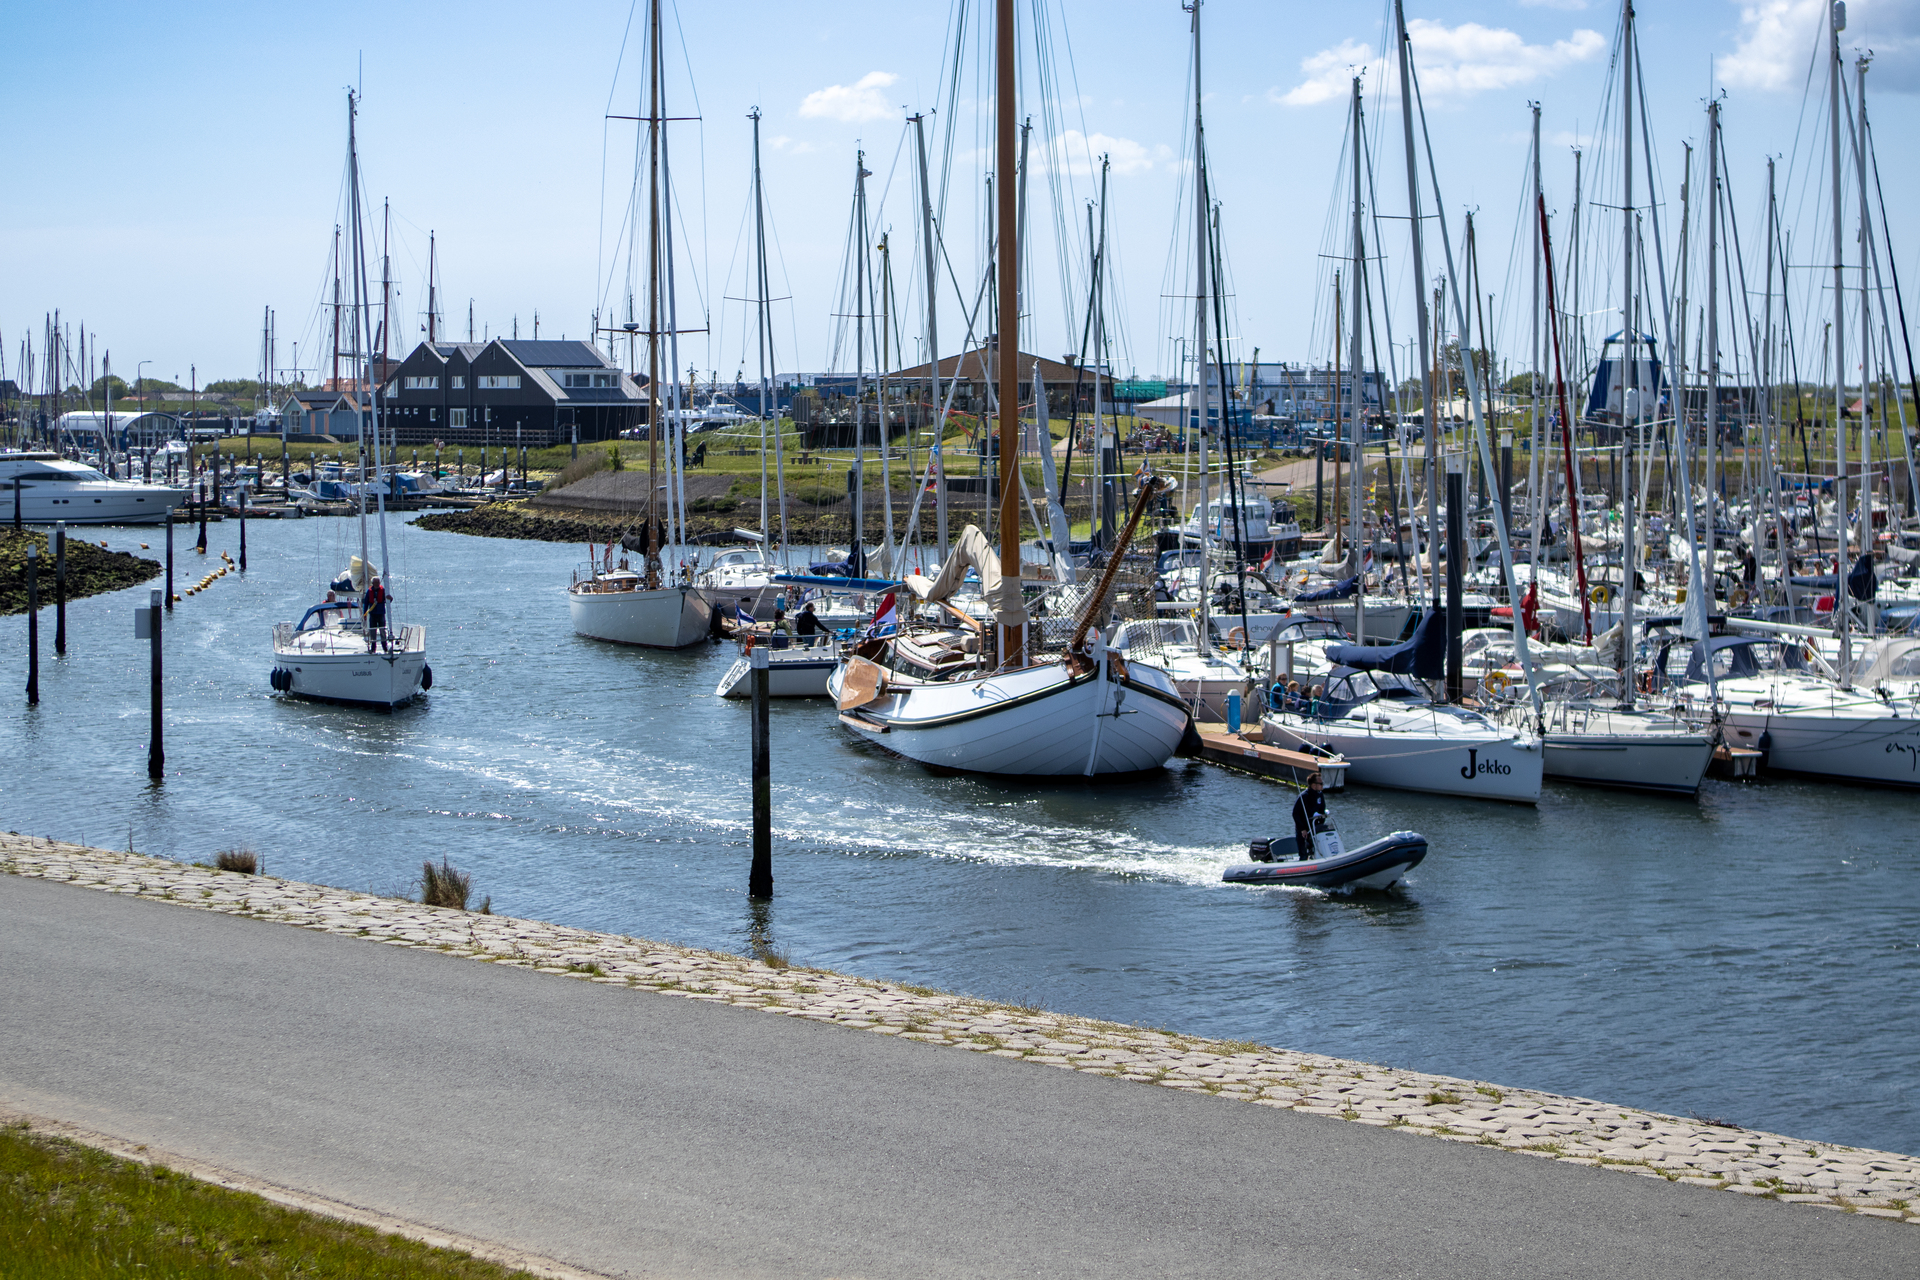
[1245, 752]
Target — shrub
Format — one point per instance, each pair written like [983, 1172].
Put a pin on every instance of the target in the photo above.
[245, 861]
[443, 886]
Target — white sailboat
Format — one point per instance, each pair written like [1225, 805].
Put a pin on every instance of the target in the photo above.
[1373, 709]
[347, 650]
[619, 603]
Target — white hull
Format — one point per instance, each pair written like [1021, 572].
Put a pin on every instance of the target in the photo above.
[334, 665]
[90, 502]
[1883, 749]
[1035, 722]
[1672, 762]
[669, 618]
[1445, 760]
[791, 673]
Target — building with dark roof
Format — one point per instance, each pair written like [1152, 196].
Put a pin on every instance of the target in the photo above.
[488, 392]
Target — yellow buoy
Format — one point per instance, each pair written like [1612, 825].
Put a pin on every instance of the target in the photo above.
[176, 597]
[143, 546]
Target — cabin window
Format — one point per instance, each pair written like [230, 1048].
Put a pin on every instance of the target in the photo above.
[457, 418]
[500, 382]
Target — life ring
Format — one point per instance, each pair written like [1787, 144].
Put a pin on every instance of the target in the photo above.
[1237, 631]
[1496, 682]
[1601, 593]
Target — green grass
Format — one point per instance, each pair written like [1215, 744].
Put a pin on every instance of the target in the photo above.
[68, 1211]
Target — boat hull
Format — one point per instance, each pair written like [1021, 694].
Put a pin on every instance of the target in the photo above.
[791, 673]
[1487, 767]
[1881, 750]
[1040, 721]
[380, 679]
[112, 502]
[1376, 865]
[1671, 763]
[668, 618]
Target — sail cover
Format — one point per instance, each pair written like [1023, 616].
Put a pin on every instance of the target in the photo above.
[1338, 591]
[1423, 656]
[973, 551]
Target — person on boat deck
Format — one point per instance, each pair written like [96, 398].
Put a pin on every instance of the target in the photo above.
[808, 625]
[1311, 804]
[374, 607]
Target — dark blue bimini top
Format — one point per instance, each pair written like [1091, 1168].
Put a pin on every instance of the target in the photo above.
[322, 608]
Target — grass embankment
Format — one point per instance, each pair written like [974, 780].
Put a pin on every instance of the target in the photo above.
[91, 569]
[69, 1211]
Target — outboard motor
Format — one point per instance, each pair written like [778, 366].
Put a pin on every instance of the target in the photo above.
[1260, 851]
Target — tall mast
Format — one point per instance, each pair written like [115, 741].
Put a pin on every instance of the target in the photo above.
[1534, 507]
[1423, 321]
[334, 385]
[655, 400]
[857, 555]
[1836, 23]
[1202, 268]
[1013, 642]
[930, 249]
[886, 446]
[1713, 335]
[1106, 482]
[433, 292]
[765, 317]
[386, 284]
[1867, 481]
[1359, 431]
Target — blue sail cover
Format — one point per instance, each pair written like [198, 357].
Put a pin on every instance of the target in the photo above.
[1423, 656]
[1860, 583]
[1338, 591]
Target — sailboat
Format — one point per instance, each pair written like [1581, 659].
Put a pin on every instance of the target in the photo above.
[346, 650]
[1012, 709]
[616, 602]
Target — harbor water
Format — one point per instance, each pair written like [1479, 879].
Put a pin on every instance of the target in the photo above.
[1752, 956]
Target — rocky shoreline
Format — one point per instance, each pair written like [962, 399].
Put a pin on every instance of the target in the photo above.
[1704, 1153]
[806, 526]
[91, 569]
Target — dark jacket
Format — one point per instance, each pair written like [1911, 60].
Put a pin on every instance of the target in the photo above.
[1310, 804]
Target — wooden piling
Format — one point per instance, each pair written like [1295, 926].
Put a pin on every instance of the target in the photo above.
[760, 876]
[33, 626]
[60, 587]
[156, 752]
[243, 530]
[169, 561]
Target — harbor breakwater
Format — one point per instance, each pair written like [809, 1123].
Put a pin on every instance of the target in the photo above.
[1527, 1122]
[91, 569]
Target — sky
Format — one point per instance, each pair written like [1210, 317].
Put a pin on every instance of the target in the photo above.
[178, 170]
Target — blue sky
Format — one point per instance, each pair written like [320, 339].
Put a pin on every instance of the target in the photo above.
[177, 170]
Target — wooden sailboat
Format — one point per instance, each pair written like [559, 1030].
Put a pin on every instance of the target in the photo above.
[618, 603]
[1012, 710]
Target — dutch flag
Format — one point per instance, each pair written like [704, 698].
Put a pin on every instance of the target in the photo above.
[886, 618]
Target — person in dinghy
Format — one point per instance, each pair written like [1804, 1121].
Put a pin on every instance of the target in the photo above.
[1311, 805]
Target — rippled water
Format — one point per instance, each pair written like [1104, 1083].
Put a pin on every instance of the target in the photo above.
[1752, 956]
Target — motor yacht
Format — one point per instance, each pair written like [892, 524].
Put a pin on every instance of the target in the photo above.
[50, 488]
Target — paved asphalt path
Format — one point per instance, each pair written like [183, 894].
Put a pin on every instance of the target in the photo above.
[650, 1135]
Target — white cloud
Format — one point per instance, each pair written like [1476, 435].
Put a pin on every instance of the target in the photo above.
[852, 103]
[1329, 74]
[1451, 62]
[1080, 154]
[1567, 5]
[1780, 38]
[1776, 40]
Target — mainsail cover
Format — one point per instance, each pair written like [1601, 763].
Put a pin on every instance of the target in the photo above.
[973, 551]
[1423, 656]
